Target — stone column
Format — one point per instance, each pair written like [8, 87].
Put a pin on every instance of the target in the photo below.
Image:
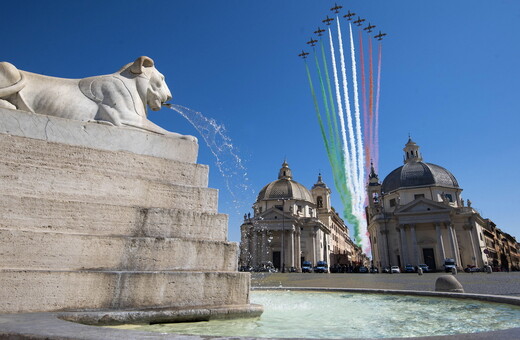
[254, 248]
[453, 243]
[264, 246]
[313, 236]
[414, 245]
[400, 246]
[404, 246]
[385, 261]
[469, 228]
[291, 248]
[244, 246]
[298, 250]
[440, 243]
[459, 259]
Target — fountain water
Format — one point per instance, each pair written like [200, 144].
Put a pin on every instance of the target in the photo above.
[338, 315]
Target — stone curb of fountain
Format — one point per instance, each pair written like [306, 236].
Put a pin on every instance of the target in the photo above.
[511, 300]
[507, 334]
[52, 326]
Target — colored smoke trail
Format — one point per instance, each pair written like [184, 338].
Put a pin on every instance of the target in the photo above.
[376, 123]
[364, 98]
[371, 98]
[361, 176]
[348, 165]
[359, 139]
[317, 108]
[352, 146]
[332, 141]
[353, 142]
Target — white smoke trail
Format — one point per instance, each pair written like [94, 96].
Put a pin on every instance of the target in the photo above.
[346, 152]
[353, 153]
[360, 154]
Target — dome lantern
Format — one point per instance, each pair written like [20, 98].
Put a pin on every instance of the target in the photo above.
[285, 171]
[411, 152]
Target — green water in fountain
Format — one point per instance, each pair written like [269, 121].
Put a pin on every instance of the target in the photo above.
[338, 315]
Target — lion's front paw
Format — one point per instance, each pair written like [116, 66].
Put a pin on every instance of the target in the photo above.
[5, 104]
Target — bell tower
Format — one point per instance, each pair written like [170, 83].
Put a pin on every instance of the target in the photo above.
[374, 192]
[321, 194]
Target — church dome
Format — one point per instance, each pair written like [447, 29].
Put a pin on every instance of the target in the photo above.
[285, 188]
[416, 173]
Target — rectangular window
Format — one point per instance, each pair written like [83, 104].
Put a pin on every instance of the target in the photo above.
[417, 196]
[449, 197]
[392, 202]
[279, 207]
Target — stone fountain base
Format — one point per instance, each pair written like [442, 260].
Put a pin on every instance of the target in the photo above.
[101, 218]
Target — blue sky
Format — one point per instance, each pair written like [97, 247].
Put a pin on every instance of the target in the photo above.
[449, 78]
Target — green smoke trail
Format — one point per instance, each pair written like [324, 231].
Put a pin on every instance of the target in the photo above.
[340, 180]
[332, 138]
[331, 100]
[317, 108]
[333, 145]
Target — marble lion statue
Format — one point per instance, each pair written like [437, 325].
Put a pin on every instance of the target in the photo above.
[120, 99]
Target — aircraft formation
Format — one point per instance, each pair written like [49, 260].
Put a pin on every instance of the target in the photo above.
[349, 16]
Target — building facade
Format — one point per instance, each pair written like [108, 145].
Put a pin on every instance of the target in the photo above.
[291, 224]
[417, 215]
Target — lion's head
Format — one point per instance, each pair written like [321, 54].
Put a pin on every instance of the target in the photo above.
[157, 91]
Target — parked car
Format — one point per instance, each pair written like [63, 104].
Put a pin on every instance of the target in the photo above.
[386, 270]
[424, 267]
[409, 268]
[395, 269]
[306, 267]
[449, 264]
[471, 269]
[321, 267]
[374, 270]
[363, 269]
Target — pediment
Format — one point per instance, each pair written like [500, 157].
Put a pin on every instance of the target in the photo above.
[423, 205]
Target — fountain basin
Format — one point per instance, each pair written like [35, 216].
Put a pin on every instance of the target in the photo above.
[53, 326]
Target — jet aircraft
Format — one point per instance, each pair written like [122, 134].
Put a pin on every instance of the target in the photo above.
[303, 54]
[369, 28]
[327, 21]
[318, 32]
[380, 36]
[336, 8]
[312, 42]
[349, 15]
[359, 21]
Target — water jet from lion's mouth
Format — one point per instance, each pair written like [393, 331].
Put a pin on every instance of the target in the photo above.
[229, 164]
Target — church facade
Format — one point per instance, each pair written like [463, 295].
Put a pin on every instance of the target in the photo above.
[291, 224]
[417, 216]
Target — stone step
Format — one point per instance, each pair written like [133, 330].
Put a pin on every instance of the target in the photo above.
[93, 187]
[28, 152]
[56, 251]
[44, 291]
[98, 136]
[40, 214]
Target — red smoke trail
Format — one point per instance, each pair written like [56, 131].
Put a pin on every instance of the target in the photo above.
[366, 140]
[376, 124]
[370, 100]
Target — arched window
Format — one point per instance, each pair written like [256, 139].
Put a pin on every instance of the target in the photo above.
[320, 202]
